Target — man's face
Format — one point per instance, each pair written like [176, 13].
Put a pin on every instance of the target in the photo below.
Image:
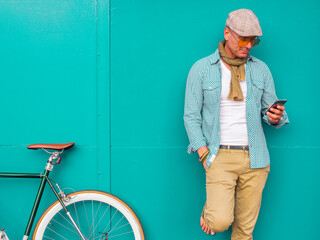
[232, 47]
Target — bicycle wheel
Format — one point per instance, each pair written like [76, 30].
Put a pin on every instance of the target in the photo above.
[99, 215]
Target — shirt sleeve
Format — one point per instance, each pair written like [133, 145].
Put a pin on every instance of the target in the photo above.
[193, 108]
[268, 97]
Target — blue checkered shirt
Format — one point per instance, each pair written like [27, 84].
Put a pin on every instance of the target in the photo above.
[202, 107]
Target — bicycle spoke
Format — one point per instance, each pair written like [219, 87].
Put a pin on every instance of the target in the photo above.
[101, 218]
[95, 215]
[64, 226]
[120, 234]
[48, 237]
[85, 209]
[65, 219]
[114, 230]
[92, 216]
[110, 221]
[116, 224]
[119, 227]
[75, 209]
[98, 238]
[57, 233]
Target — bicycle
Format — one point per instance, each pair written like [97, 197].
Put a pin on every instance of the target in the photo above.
[87, 214]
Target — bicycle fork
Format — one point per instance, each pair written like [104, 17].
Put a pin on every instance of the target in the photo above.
[64, 207]
[75, 225]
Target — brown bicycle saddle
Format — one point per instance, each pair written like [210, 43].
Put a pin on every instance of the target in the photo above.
[55, 146]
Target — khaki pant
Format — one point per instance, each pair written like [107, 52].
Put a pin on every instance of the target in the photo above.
[234, 193]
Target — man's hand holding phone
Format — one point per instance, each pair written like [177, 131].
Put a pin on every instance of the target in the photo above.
[275, 111]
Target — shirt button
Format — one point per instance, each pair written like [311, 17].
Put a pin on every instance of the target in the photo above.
[218, 133]
[209, 87]
[215, 148]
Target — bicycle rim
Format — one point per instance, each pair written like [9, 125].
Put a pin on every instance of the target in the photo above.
[98, 215]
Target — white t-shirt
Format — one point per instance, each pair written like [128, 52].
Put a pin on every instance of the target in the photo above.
[233, 121]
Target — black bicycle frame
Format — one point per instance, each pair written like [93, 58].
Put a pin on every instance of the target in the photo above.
[44, 181]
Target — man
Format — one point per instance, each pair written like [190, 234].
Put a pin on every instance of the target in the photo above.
[227, 95]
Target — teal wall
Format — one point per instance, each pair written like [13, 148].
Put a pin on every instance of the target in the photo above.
[111, 75]
[54, 70]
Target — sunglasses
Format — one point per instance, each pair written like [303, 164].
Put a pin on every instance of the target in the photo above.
[244, 41]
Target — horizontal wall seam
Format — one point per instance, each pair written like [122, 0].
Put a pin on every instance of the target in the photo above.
[152, 147]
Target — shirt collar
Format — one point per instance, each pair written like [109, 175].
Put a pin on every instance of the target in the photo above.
[215, 57]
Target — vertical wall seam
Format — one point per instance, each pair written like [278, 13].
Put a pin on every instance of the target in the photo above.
[97, 92]
[103, 94]
[110, 133]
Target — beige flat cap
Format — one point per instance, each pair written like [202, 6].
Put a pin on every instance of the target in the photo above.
[244, 23]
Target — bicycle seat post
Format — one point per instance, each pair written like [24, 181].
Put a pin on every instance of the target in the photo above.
[50, 162]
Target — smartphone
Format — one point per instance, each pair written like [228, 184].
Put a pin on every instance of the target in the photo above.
[280, 101]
